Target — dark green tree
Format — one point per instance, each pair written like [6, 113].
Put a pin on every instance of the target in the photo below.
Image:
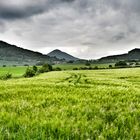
[121, 64]
[29, 73]
[35, 68]
[88, 63]
[45, 68]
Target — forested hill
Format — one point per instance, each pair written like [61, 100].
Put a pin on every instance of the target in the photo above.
[131, 55]
[62, 55]
[13, 55]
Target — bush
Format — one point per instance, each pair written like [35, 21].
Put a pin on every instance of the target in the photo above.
[75, 68]
[45, 68]
[110, 66]
[71, 61]
[41, 70]
[29, 73]
[87, 63]
[83, 68]
[137, 63]
[57, 69]
[26, 65]
[121, 64]
[6, 76]
[35, 68]
[4, 65]
[90, 68]
[96, 68]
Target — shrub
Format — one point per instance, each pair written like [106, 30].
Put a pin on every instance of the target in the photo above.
[45, 68]
[71, 61]
[35, 68]
[137, 63]
[41, 70]
[96, 68]
[57, 69]
[4, 65]
[75, 68]
[83, 68]
[26, 65]
[6, 76]
[29, 73]
[121, 64]
[110, 66]
[87, 63]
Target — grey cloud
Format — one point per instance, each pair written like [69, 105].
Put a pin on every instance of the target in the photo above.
[67, 0]
[90, 24]
[11, 10]
[19, 13]
[118, 37]
[2, 27]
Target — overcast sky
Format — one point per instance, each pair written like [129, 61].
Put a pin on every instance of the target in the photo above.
[83, 28]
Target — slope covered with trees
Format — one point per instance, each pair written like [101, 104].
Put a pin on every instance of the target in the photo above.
[62, 55]
[13, 55]
[131, 55]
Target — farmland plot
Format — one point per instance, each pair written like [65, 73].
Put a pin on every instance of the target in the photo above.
[102, 104]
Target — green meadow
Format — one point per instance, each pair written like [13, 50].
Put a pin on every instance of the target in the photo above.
[71, 105]
[15, 71]
[18, 71]
[72, 66]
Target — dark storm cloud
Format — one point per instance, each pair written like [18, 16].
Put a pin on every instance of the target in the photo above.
[19, 9]
[18, 13]
[83, 26]
[8, 10]
[67, 0]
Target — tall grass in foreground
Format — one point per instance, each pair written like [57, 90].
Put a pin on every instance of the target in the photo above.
[71, 105]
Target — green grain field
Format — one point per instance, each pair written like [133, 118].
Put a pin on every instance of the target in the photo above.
[72, 105]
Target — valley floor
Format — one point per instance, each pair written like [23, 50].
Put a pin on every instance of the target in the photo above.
[102, 104]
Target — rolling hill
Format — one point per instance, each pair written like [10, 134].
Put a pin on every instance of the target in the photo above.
[13, 55]
[62, 55]
[131, 55]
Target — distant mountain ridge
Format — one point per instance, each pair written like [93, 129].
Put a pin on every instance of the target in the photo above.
[62, 55]
[131, 55]
[13, 55]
